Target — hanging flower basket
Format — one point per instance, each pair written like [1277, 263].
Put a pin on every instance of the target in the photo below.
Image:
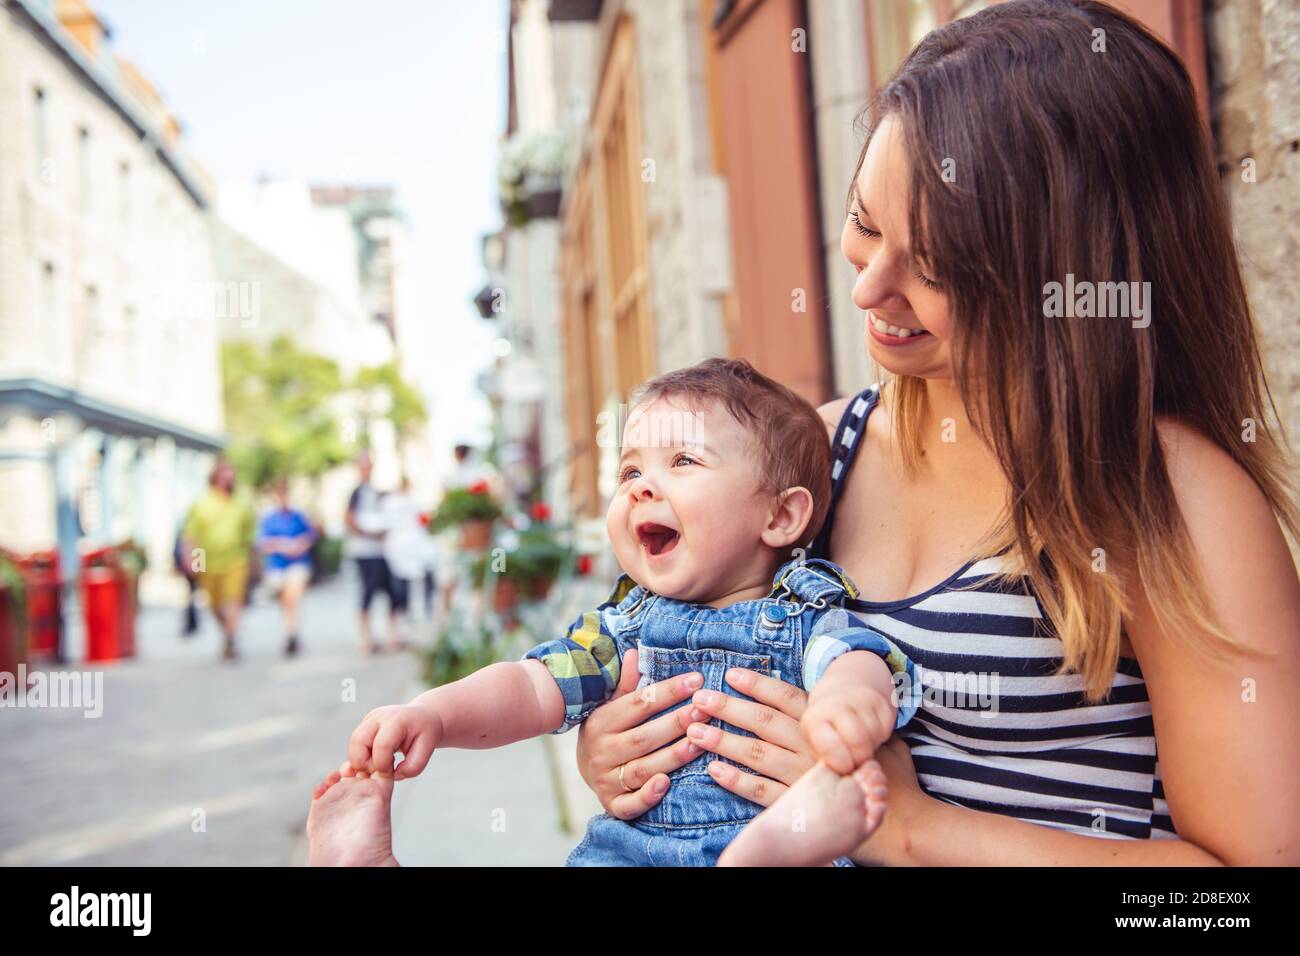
[472, 511]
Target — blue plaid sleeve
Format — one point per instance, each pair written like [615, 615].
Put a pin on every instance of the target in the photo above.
[836, 633]
[586, 661]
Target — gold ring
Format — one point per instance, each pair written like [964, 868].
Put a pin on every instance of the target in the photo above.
[620, 778]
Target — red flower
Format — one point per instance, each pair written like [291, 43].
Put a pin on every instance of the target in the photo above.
[540, 511]
[583, 566]
[424, 519]
[479, 487]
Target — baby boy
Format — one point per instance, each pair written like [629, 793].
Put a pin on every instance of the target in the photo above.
[724, 475]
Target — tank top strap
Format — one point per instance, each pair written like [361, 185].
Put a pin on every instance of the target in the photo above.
[844, 447]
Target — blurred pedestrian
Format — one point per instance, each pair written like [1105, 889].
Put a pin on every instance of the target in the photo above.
[404, 543]
[181, 562]
[365, 545]
[285, 537]
[220, 526]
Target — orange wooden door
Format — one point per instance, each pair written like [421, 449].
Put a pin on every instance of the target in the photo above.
[764, 120]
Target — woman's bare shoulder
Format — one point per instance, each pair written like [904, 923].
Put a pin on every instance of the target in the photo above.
[1234, 531]
[1209, 483]
[832, 411]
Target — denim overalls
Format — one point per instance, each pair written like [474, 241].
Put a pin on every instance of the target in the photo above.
[697, 818]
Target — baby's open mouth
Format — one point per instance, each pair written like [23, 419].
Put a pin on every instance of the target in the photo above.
[656, 538]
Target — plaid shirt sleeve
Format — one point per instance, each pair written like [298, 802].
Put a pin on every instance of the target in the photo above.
[586, 661]
[836, 633]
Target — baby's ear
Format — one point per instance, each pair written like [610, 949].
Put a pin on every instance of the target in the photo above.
[791, 511]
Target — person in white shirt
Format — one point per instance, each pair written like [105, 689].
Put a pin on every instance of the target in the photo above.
[405, 543]
[365, 545]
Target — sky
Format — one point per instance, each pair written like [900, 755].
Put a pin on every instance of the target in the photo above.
[404, 92]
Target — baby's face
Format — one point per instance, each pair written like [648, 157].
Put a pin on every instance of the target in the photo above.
[687, 517]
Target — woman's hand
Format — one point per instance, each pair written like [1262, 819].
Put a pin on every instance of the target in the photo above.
[779, 756]
[615, 736]
[778, 753]
[891, 844]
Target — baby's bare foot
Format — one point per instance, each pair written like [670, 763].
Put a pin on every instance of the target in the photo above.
[350, 823]
[822, 817]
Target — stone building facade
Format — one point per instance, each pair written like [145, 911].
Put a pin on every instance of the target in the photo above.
[110, 403]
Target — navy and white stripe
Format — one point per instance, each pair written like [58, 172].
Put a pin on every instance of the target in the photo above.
[1041, 752]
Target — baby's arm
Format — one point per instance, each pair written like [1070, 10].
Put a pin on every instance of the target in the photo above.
[851, 710]
[554, 687]
[850, 672]
[498, 705]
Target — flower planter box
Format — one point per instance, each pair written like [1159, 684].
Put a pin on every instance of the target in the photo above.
[475, 535]
[505, 596]
[538, 589]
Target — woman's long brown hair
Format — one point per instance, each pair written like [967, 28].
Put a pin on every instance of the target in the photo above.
[1067, 160]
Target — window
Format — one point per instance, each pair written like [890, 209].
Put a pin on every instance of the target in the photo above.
[87, 333]
[124, 193]
[44, 167]
[49, 303]
[84, 172]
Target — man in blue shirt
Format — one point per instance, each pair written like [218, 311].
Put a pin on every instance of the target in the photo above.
[285, 537]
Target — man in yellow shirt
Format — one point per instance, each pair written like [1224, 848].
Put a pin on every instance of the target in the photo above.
[218, 537]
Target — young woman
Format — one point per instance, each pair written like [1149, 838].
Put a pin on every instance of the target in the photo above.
[1080, 504]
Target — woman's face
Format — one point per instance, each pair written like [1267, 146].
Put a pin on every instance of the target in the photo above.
[907, 321]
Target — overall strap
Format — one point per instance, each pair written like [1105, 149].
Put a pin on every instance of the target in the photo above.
[815, 580]
[844, 447]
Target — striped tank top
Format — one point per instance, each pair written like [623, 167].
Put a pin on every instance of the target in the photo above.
[997, 729]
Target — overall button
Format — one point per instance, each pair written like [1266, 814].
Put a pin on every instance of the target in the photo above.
[773, 616]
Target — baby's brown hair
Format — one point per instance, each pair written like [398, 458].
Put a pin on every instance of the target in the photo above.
[789, 436]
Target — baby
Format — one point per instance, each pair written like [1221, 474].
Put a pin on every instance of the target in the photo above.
[724, 473]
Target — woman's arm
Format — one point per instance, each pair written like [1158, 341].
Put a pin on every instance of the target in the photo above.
[1228, 728]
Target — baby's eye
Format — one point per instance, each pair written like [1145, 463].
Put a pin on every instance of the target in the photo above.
[625, 475]
[684, 458]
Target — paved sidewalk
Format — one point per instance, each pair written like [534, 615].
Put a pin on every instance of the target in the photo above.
[197, 763]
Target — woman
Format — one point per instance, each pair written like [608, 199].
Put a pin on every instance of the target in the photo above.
[1083, 511]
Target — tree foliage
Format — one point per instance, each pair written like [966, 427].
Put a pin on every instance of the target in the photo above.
[282, 410]
[286, 407]
[405, 407]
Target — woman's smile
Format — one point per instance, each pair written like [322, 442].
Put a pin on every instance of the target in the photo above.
[893, 335]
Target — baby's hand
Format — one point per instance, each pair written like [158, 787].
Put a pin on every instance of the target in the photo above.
[413, 731]
[844, 725]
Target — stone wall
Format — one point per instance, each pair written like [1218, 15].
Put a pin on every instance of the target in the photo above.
[685, 204]
[1254, 48]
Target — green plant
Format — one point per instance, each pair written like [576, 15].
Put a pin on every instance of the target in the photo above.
[458, 652]
[329, 556]
[460, 505]
[540, 555]
[133, 561]
[11, 579]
